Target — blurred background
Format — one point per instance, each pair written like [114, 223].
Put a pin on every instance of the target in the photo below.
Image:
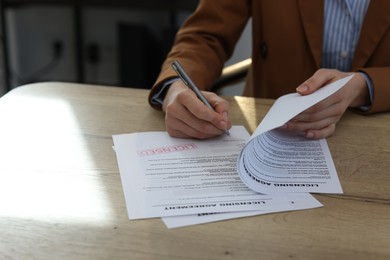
[104, 42]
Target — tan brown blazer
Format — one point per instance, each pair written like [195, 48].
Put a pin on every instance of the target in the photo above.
[286, 49]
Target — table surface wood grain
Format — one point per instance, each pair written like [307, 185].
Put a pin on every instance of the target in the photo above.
[61, 195]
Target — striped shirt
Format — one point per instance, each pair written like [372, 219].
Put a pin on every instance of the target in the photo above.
[343, 20]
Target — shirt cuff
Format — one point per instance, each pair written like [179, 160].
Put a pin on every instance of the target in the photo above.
[370, 90]
[158, 97]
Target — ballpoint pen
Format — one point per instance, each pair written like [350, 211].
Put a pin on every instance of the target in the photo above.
[189, 83]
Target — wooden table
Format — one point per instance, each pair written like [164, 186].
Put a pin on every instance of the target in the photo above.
[61, 195]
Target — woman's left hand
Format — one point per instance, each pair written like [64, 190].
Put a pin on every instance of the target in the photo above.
[319, 121]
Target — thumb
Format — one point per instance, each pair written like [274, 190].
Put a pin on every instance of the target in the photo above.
[319, 79]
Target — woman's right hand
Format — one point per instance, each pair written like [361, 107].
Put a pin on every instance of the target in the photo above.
[186, 116]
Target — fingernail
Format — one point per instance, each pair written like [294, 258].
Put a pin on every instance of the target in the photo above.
[225, 116]
[302, 88]
[310, 135]
[222, 125]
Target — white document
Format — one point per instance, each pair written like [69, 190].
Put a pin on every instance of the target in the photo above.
[165, 176]
[306, 202]
[288, 106]
[275, 161]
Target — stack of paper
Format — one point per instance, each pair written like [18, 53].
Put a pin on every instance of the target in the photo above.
[188, 181]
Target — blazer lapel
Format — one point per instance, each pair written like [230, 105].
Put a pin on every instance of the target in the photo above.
[312, 13]
[376, 23]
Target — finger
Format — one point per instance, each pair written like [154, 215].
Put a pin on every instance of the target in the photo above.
[202, 112]
[220, 106]
[178, 118]
[302, 126]
[186, 115]
[182, 130]
[177, 134]
[319, 120]
[326, 108]
[319, 79]
[322, 133]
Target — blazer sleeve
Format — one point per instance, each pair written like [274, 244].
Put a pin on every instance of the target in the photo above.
[380, 77]
[204, 42]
